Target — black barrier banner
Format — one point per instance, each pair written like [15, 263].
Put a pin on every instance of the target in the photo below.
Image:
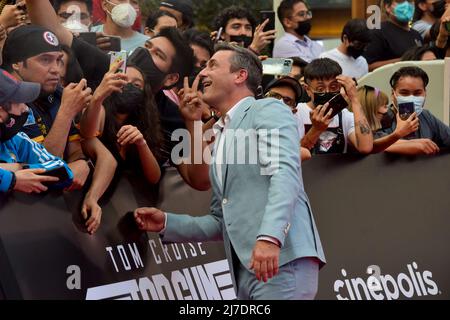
[382, 219]
[46, 254]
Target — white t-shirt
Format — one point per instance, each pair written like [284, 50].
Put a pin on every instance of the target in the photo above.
[327, 138]
[351, 67]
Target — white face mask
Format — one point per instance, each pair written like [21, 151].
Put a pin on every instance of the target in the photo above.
[418, 102]
[124, 15]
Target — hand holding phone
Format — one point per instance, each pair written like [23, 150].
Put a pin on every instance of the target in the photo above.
[277, 66]
[337, 103]
[405, 110]
[60, 173]
[268, 15]
[119, 58]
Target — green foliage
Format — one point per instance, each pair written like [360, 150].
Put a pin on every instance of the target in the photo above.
[206, 10]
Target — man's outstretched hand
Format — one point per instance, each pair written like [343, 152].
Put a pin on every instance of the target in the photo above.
[150, 219]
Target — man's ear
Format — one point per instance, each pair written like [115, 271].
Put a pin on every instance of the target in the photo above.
[241, 76]
[308, 90]
[15, 66]
[171, 79]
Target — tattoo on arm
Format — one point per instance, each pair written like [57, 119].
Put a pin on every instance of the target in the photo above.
[364, 127]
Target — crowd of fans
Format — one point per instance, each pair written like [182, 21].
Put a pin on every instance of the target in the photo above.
[69, 117]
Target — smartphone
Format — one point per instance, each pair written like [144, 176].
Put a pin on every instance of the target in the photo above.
[405, 110]
[89, 37]
[115, 44]
[277, 66]
[268, 15]
[119, 57]
[219, 34]
[337, 103]
[60, 173]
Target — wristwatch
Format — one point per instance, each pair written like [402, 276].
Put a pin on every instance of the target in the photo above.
[13, 183]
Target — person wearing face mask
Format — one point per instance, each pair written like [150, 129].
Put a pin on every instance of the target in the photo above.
[239, 26]
[295, 16]
[23, 162]
[127, 125]
[120, 17]
[289, 91]
[427, 12]
[395, 36]
[409, 86]
[321, 133]
[165, 62]
[355, 38]
[380, 116]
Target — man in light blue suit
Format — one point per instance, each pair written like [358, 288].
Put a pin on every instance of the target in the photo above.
[259, 207]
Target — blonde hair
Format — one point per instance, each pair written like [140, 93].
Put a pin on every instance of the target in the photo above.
[371, 100]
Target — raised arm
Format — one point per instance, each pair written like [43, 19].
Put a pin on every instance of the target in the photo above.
[42, 13]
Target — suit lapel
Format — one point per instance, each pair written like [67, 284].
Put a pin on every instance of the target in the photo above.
[235, 123]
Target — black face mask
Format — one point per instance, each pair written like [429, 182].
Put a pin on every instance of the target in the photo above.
[354, 52]
[438, 9]
[303, 28]
[129, 101]
[387, 120]
[242, 40]
[321, 98]
[13, 126]
[143, 60]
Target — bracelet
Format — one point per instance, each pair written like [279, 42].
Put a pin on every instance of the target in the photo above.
[13, 183]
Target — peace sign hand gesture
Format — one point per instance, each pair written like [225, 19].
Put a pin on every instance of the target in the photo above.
[191, 100]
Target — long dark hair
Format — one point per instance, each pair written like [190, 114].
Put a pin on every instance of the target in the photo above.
[142, 113]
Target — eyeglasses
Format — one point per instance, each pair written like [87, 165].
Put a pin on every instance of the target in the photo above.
[287, 100]
[303, 14]
[335, 88]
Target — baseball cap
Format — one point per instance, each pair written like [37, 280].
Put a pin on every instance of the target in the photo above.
[287, 82]
[28, 41]
[12, 90]
[183, 6]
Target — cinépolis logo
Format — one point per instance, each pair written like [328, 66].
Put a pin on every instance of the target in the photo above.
[405, 285]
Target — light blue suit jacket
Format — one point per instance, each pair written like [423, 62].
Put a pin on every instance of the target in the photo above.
[266, 198]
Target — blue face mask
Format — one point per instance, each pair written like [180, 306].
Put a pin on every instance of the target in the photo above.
[418, 102]
[404, 12]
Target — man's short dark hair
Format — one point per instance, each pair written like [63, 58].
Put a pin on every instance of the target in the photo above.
[152, 19]
[58, 3]
[184, 60]
[286, 9]
[247, 60]
[413, 72]
[233, 12]
[199, 38]
[299, 62]
[322, 69]
[356, 30]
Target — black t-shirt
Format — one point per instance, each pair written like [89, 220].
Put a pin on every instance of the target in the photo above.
[391, 42]
[171, 120]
